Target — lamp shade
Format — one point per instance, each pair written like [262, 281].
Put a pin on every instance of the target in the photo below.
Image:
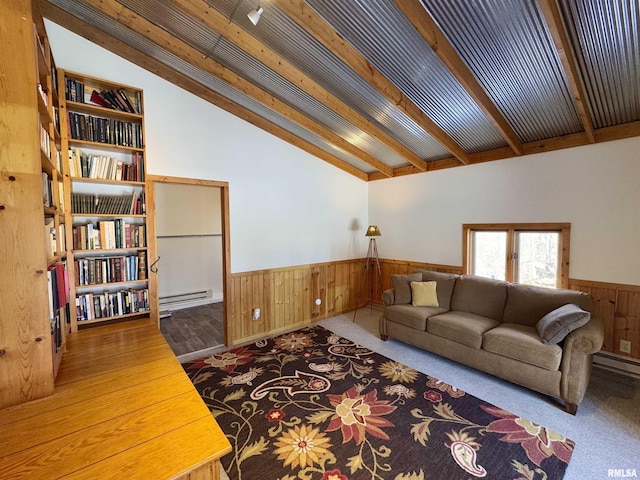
[254, 15]
[373, 231]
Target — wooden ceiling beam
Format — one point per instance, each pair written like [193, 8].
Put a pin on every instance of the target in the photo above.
[561, 41]
[214, 20]
[325, 34]
[177, 47]
[427, 27]
[94, 35]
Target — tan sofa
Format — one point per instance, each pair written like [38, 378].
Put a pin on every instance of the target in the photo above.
[491, 325]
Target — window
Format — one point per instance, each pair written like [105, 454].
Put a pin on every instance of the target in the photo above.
[528, 253]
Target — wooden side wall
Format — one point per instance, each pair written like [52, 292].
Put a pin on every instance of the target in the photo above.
[286, 297]
[618, 306]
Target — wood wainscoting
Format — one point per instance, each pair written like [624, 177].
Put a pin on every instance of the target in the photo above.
[286, 297]
[618, 305]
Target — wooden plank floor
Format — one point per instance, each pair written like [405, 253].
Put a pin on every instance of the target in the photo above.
[192, 329]
[122, 408]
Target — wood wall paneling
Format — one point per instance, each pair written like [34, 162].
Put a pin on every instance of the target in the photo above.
[286, 297]
[618, 306]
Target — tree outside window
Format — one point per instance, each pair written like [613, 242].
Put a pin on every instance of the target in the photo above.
[531, 254]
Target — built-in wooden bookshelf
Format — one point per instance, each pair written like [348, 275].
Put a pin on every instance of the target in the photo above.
[33, 288]
[105, 198]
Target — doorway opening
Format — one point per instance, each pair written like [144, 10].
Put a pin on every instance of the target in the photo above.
[191, 226]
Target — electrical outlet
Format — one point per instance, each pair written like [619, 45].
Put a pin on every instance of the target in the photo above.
[625, 346]
[256, 313]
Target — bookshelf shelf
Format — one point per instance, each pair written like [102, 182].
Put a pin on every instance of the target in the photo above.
[106, 215]
[87, 252]
[106, 177]
[104, 180]
[35, 307]
[54, 259]
[44, 65]
[47, 165]
[111, 284]
[103, 146]
[116, 317]
[103, 111]
[43, 109]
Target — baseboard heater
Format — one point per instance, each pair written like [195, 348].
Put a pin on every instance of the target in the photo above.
[618, 363]
[169, 300]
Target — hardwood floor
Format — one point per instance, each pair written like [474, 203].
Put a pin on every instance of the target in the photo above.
[122, 408]
[193, 329]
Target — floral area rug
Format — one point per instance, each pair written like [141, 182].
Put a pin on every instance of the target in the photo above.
[311, 405]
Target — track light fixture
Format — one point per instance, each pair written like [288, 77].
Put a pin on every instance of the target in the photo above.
[254, 15]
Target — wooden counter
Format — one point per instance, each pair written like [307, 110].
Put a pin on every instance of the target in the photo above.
[122, 408]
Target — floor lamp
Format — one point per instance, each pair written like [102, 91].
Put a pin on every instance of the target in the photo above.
[372, 256]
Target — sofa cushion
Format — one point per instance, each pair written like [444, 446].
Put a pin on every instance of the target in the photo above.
[444, 285]
[483, 296]
[402, 287]
[557, 324]
[410, 316]
[527, 304]
[423, 294]
[521, 342]
[462, 327]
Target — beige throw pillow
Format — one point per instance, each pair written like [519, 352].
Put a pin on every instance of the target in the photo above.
[402, 287]
[423, 294]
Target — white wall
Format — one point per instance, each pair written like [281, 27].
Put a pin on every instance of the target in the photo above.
[289, 208]
[188, 229]
[596, 188]
[286, 206]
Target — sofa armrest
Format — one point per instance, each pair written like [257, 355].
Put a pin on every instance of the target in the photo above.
[388, 297]
[577, 358]
[587, 339]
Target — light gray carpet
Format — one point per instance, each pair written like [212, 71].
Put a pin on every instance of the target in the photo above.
[606, 429]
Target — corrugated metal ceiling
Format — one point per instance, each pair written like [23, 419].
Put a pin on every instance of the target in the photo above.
[606, 37]
[500, 45]
[187, 29]
[386, 38]
[152, 50]
[507, 46]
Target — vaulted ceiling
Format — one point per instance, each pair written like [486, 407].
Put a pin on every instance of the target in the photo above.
[381, 88]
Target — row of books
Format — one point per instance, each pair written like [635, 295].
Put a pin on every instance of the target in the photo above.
[45, 141]
[48, 199]
[58, 291]
[43, 94]
[83, 165]
[109, 234]
[88, 203]
[56, 324]
[105, 130]
[115, 99]
[47, 190]
[96, 271]
[74, 90]
[58, 283]
[53, 236]
[93, 306]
